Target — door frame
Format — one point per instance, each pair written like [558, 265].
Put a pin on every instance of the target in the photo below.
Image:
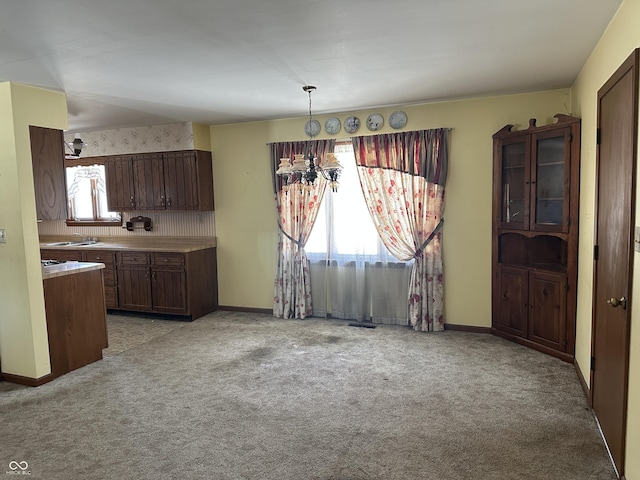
[631, 63]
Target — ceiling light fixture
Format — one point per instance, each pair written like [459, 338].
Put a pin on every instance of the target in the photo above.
[76, 145]
[306, 166]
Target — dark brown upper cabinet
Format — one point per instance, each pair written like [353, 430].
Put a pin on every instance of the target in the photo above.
[533, 177]
[47, 155]
[180, 180]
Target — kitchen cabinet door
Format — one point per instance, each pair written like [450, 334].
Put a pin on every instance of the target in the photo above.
[148, 181]
[180, 181]
[168, 287]
[119, 183]
[47, 155]
[514, 171]
[547, 309]
[511, 310]
[134, 287]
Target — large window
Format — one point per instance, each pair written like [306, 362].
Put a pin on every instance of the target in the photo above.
[344, 228]
[353, 275]
[87, 195]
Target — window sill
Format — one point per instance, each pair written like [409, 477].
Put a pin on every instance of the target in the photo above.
[94, 223]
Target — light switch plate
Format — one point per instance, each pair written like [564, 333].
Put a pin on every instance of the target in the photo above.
[3, 235]
[636, 240]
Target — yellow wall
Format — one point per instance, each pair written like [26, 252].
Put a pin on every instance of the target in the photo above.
[246, 226]
[201, 137]
[620, 39]
[23, 333]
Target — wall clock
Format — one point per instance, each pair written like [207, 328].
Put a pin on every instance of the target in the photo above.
[332, 125]
[375, 122]
[398, 119]
[351, 124]
[312, 128]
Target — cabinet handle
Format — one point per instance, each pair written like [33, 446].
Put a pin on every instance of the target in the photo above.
[154, 276]
[169, 201]
[165, 260]
[162, 200]
[133, 203]
[99, 258]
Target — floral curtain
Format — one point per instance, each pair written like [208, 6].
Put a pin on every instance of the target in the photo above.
[403, 179]
[297, 210]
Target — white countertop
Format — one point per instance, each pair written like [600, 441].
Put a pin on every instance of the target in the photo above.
[150, 244]
[69, 268]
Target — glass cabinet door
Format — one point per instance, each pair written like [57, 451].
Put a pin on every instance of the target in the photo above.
[514, 184]
[550, 182]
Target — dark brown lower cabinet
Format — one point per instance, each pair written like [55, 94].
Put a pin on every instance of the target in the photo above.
[76, 324]
[173, 283]
[548, 309]
[134, 288]
[513, 303]
[109, 273]
[532, 305]
[168, 282]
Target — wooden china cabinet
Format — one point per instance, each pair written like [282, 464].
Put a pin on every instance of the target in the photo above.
[535, 235]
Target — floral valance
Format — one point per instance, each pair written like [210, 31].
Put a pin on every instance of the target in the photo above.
[421, 153]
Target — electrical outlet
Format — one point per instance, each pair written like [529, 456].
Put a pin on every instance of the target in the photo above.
[636, 240]
[3, 235]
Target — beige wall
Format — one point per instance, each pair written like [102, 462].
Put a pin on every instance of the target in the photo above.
[23, 332]
[620, 39]
[245, 218]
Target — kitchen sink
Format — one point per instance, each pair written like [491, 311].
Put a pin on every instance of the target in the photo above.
[73, 244]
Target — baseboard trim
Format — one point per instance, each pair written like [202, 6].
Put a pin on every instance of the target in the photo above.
[466, 328]
[230, 308]
[28, 381]
[565, 357]
[583, 382]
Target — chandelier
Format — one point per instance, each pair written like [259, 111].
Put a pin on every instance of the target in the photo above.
[306, 166]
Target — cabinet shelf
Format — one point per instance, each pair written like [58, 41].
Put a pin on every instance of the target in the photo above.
[542, 267]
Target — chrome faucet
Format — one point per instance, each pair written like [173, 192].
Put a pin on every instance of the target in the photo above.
[86, 239]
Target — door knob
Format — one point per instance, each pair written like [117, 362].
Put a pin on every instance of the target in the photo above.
[614, 302]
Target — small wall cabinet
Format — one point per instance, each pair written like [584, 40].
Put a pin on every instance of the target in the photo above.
[181, 180]
[47, 156]
[535, 235]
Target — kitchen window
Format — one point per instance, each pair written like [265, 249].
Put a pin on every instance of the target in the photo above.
[87, 194]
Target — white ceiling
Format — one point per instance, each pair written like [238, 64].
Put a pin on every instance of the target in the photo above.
[144, 62]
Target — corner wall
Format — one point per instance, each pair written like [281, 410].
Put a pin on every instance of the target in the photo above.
[619, 40]
[245, 213]
[24, 346]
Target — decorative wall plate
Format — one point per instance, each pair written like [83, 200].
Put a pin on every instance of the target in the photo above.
[375, 121]
[398, 119]
[351, 124]
[332, 125]
[312, 128]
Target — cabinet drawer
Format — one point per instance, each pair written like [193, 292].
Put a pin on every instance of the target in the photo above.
[173, 259]
[54, 254]
[99, 256]
[133, 258]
